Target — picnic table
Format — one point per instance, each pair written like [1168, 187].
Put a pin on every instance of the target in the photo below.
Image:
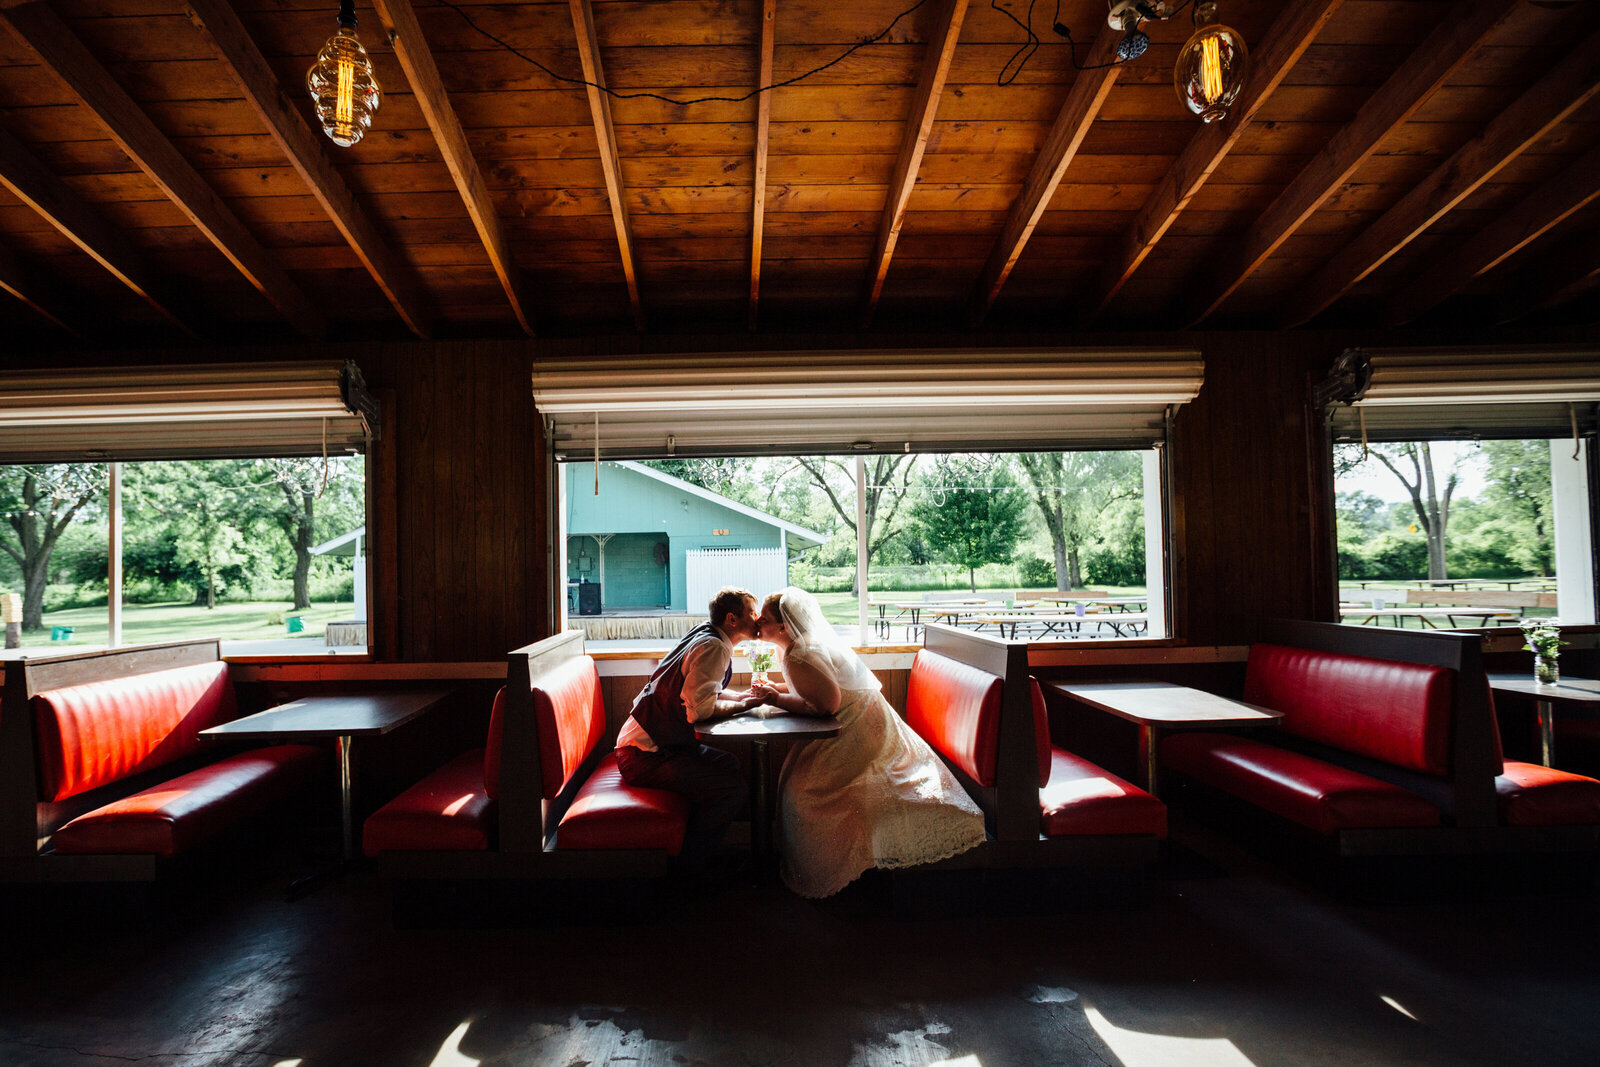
[1424, 616]
[1121, 603]
[1064, 623]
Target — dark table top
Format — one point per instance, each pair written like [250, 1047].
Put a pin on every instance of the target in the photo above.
[1568, 690]
[344, 714]
[1164, 704]
[782, 724]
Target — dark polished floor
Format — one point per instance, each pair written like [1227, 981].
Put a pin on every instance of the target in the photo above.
[1229, 960]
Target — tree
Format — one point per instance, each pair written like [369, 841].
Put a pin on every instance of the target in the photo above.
[210, 543]
[883, 498]
[1517, 480]
[971, 507]
[39, 503]
[287, 492]
[1072, 490]
[1432, 507]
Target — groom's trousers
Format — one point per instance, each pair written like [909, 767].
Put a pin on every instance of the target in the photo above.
[713, 781]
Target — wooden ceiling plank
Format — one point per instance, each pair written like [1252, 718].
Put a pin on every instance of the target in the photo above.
[1570, 268]
[60, 50]
[1291, 34]
[28, 286]
[769, 13]
[416, 59]
[1394, 103]
[606, 135]
[1563, 90]
[941, 50]
[1552, 203]
[35, 185]
[1084, 101]
[307, 150]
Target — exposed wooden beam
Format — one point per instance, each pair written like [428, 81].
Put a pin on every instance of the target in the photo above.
[35, 185]
[1572, 267]
[308, 152]
[30, 287]
[606, 135]
[1563, 90]
[758, 212]
[1286, 41]
[1090, 87]
[924, 106]
[60, 50]
[1392, 105]
[1557, 199]
[416, 59]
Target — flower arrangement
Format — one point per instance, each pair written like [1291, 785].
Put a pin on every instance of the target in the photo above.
[759, 653]
[1543, 639]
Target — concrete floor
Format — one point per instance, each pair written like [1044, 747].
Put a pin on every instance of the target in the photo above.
[1230, 960]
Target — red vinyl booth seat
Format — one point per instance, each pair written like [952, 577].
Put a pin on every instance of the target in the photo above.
[1306, 790]
[1531, 795]
[1081, 798]
[177, 815]
[609, 813]
[956, 709]
[448, 811]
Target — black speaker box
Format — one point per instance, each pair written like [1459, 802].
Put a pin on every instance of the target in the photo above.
[589, 598]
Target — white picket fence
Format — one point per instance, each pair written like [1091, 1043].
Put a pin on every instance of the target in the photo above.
[705, 570]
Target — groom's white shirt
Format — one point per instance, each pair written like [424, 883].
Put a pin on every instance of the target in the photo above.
[704, 665]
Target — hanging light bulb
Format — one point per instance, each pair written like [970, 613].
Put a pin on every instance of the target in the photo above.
[344, 90]
[1210, 69]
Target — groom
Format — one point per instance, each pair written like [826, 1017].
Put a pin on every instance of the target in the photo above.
[657, 748]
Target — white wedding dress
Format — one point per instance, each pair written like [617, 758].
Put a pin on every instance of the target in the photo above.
[874, 796]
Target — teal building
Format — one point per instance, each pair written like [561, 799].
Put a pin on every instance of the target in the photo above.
[654, 541]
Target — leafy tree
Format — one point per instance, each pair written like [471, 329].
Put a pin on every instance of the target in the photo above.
[1412, 463]
[972, 508]
[883, 496]
[39, 503]
[1072, 490]
[286, 493]
[1517, 480]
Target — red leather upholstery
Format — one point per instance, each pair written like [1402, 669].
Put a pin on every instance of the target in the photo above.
[448, 811]
[1532, 795]
[1080, 798]
[176, 815]
[491, 751]
[1312, 793]
[609, 813]
[1395, 712]
[571, 718]
[1041, 730]
[91, 735]
[956, 709]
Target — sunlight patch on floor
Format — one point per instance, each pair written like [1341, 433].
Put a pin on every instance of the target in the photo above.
[1137, 1049]
[450, 1054]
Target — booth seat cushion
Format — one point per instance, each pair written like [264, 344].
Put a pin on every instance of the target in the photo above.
[571, 717]
[609, 813]
[1081, 798]
[92, 735]
[448, 811]
[1308, 791]
[1395, 712]
[956, 709]
[491, 751]
[1041, 731]
[1532, 795]
[176, 815]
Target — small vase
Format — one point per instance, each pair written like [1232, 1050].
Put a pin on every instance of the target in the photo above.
[1546, 671]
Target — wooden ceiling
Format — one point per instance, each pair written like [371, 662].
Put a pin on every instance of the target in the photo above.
[162, 179]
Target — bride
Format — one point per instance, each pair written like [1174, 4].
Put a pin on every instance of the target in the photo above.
[874, 796]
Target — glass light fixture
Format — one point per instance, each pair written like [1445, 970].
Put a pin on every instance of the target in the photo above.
[343, 89]
[1210, 69]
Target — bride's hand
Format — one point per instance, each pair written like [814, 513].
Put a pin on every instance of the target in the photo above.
[765, 691]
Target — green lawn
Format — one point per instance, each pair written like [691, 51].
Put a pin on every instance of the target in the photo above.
[146, 623]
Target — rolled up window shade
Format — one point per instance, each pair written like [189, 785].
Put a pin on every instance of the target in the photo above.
[1464, 394]
[193, 412]
[864, 401]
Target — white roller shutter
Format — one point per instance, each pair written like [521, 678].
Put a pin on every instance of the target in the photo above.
[1436, 393]
[865, 401]
[195, 411]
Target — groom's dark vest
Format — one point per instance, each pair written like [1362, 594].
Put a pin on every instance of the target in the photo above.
[659, 707]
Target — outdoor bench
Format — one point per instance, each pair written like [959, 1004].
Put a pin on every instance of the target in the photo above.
[103, 771]
[1388, 746]
[971, 697]
[542, 798]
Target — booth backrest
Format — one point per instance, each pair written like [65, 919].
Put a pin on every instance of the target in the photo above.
[1387, 710]
[956, 709]
[491, 748]
[1041, 730]
[571, 717]
[91, 735]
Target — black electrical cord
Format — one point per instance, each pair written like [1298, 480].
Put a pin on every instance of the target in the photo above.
[1031, 45]
[880, 35]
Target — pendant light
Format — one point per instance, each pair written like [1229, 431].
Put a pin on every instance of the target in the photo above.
[343, 89]
[1210, 69]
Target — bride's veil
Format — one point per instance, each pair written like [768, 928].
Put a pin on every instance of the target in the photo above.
[816, 641]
